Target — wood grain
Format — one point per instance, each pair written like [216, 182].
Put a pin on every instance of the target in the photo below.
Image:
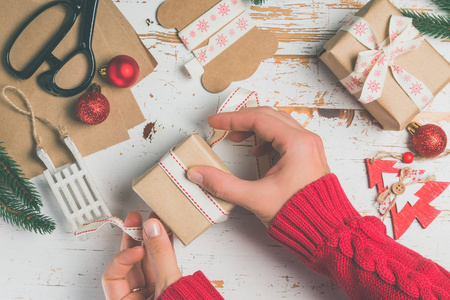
[238, 257]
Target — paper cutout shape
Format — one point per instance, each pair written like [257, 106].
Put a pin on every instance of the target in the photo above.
[375, 171]
[239, 60]
[422, 210]
[414, 203]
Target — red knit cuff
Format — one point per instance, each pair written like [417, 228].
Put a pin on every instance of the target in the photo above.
[312, 217]
[191, 287]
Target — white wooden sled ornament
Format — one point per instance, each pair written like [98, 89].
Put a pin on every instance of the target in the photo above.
[73, 187]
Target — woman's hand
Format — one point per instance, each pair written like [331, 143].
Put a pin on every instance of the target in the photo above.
[137, 273]
[302, 161]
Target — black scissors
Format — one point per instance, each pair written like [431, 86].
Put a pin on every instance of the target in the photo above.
[47, 80]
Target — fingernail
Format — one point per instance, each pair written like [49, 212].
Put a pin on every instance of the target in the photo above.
[195, 177]
[151, 228]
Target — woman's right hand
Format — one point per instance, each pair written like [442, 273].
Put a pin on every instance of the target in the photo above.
[302, 161]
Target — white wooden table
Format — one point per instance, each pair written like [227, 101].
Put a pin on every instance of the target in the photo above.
[238, 256]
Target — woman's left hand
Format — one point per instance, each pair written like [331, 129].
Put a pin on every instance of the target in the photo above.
[138, 273]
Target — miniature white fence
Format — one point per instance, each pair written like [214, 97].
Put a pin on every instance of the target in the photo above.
[74, 189]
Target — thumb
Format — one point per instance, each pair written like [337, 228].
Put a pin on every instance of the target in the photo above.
[161, 255]
[225, 186]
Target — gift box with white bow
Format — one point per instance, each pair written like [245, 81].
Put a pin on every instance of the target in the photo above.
[380, 58]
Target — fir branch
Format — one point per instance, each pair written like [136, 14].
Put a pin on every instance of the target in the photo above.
[12, 178]
[23, 217]
[258, 2]
[443, 4]
[436, 26]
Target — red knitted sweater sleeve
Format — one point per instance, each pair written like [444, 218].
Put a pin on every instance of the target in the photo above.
[321, 227]
[192, 287]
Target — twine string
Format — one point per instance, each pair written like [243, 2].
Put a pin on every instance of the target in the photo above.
[384, 154]
[386, 195]
[37, 139]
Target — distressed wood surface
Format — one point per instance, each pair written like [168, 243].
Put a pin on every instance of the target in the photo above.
[237, 256]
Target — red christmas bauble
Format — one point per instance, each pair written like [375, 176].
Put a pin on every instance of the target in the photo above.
[429, 140]
[408, 157]
[92, 106]
[122, 71]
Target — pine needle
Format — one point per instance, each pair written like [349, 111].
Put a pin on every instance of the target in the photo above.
[443, 4]
[20, 202]
[258, 2]
[23, 217]
[11, 177]
[436, 26]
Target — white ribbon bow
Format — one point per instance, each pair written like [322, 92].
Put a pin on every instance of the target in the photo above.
[372, 65]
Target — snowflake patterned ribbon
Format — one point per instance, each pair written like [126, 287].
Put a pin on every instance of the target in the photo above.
[371, 66]
[224, 38]
[210, 22]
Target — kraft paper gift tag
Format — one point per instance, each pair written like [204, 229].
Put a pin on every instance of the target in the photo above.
[239, 60]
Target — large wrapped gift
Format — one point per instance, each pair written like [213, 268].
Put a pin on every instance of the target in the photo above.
[381, 58]
[184, 207]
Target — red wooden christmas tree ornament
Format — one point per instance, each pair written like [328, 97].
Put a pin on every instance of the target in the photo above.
[375, 171]
[422, 210]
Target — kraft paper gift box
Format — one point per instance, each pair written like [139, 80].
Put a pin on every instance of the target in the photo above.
[394, 110]
[169, 202]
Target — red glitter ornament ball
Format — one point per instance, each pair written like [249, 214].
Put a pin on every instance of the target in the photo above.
[122, 71]
[408, 157]
[428, 140]
[92, 106]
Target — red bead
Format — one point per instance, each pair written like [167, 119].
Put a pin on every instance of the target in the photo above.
[429, 140]
[123, 71]
[408, 157]
[92, 108]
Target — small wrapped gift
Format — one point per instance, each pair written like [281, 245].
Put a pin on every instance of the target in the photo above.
[381, 58]
[184, 207]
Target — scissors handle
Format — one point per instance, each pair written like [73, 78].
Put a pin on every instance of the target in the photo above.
[72, 10]
[47, 80]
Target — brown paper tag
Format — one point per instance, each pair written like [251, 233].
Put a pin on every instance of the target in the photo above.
[238, 62]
